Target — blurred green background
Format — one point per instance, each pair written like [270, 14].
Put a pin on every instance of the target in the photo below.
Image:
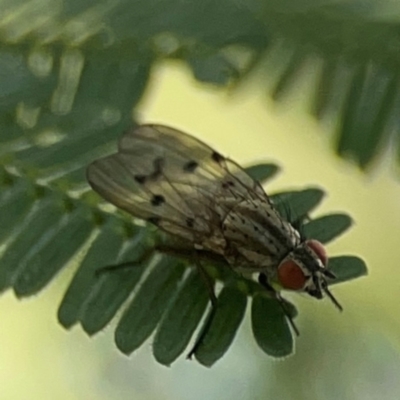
[349, 355]
[352, 355]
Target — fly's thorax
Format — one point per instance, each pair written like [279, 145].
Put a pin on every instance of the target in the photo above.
[304, 269]
[257, 232]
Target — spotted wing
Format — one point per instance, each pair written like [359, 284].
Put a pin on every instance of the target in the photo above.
[177, 182]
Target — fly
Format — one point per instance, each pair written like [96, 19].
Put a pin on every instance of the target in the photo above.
[212, 207]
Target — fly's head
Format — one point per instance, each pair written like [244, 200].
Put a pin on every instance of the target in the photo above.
[304, 270]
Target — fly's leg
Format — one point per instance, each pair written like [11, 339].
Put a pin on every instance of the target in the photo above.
[263, 280]
[210, 317]
[184, 253]
[145, 256]
[209, 283]
[195, 256]
[203, 332]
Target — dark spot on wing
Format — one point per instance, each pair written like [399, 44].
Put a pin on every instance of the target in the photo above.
[158, 164]
[190, 166]
[140, 179]
[157, 200]
[217, 157]
[154, 220]
[190, 222]
[226, 185]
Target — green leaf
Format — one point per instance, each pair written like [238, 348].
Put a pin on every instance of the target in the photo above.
[290, 309]
[100, 111]
[327, 227]
[71, 154]
[65, 104]
[16, 77]
[112, 289]
[297, 204]
[181, 320]
[288, 74]
[213, 68]
[92, 81]
[346, 268]
[226, 321]
[53, 250]
[262, 172]
[369, 105]
[103, 251]
[149, 304]
[15, 207]
[323, 98]
[270, 328]
[45, 214]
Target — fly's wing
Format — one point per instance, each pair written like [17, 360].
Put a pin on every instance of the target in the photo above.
[175, 181]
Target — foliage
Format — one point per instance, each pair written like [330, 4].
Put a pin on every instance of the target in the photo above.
[72, 72]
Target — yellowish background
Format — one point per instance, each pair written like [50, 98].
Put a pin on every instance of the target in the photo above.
[349, 355]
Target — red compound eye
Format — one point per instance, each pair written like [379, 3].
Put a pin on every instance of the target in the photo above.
[291, 276]
[319, 249]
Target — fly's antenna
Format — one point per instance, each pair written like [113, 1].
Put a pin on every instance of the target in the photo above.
[332, 298]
